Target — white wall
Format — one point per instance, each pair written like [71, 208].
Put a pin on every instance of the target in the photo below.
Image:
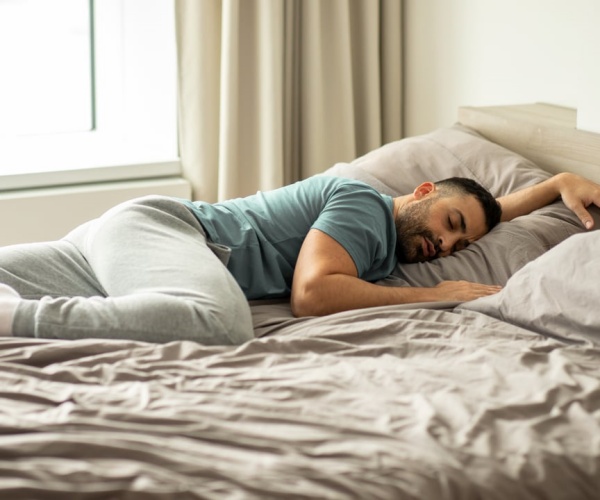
[28, 216]
[492, 52]
[588, 115]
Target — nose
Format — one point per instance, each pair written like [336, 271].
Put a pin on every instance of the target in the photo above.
[444, 250]
[448, 244]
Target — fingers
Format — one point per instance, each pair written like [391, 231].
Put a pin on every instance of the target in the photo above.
[585, 216]
[485, 290]
[465, 290]
[578, 208]
[578, 193]
[587, 222]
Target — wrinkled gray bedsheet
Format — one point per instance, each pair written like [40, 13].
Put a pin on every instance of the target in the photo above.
[388, 403]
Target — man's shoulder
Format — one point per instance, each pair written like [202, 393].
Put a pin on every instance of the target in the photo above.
[320, 192]
[321, 181]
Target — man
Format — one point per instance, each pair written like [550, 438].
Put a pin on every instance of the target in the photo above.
[161, 269]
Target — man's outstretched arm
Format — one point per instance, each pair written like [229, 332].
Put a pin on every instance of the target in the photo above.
[326, 281]
[577, 193]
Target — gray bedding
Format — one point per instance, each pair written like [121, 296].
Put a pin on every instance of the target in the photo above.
[493, 399]
[390, 403]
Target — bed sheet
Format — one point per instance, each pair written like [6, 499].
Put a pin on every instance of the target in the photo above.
[382, 403]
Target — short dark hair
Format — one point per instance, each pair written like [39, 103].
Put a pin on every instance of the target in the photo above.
[469, 187]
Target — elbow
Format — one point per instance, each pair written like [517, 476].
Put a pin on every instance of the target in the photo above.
[300, 307]
[304, 303]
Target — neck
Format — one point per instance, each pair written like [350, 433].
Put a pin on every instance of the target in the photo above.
[400, 202]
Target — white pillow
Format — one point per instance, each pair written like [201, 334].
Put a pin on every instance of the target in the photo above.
[556, 294]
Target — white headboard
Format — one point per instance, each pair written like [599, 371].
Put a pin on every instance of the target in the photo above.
[543, 133]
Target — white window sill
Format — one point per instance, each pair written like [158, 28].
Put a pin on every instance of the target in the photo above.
[87, 157]
[78, 176]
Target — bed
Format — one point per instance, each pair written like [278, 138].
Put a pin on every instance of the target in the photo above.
[497, 398]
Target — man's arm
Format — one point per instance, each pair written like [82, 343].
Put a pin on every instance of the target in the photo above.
[326, 281]
[577, 193]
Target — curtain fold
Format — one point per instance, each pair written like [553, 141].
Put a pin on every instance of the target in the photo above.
[273, 91]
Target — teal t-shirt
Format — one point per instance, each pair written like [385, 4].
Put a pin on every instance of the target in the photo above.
[265, 231]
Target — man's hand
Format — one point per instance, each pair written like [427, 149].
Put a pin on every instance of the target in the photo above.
[578, 193]
[464, 291]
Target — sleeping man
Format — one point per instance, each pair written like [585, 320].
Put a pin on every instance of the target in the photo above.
[159, 269]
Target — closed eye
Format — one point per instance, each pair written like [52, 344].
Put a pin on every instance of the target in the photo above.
[462, 224]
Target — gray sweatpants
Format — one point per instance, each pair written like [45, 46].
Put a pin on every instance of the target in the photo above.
[142, 271]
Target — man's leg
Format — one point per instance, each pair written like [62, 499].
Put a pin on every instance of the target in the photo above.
[157, 281]
[32, 271]
[56, 269]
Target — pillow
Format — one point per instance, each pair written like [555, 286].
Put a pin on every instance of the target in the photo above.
[397, 168]
[555, 295]
[499, 254]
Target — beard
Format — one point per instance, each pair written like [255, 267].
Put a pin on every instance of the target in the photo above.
[411, 228]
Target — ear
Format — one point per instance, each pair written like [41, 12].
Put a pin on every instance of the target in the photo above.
[424, 190]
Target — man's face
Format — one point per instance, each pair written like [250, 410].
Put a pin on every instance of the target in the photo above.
[436, 226]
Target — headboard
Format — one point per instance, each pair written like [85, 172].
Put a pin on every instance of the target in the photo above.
[543, 133]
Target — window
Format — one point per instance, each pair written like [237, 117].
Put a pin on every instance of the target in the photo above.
[88, 91]
[46, 83]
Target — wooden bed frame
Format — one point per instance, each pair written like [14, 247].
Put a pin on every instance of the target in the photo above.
[543, 133]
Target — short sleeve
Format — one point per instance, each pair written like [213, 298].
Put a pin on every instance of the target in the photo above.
[361, 220]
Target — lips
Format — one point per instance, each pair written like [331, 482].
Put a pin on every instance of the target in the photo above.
[428, 248]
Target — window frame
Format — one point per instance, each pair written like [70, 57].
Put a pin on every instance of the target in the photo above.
[135, 107]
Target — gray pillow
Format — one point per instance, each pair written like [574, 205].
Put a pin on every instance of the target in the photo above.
[397, 168]
[554, 295]
[498, 255]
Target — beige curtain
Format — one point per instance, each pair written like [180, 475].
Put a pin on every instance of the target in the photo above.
[273, 91]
